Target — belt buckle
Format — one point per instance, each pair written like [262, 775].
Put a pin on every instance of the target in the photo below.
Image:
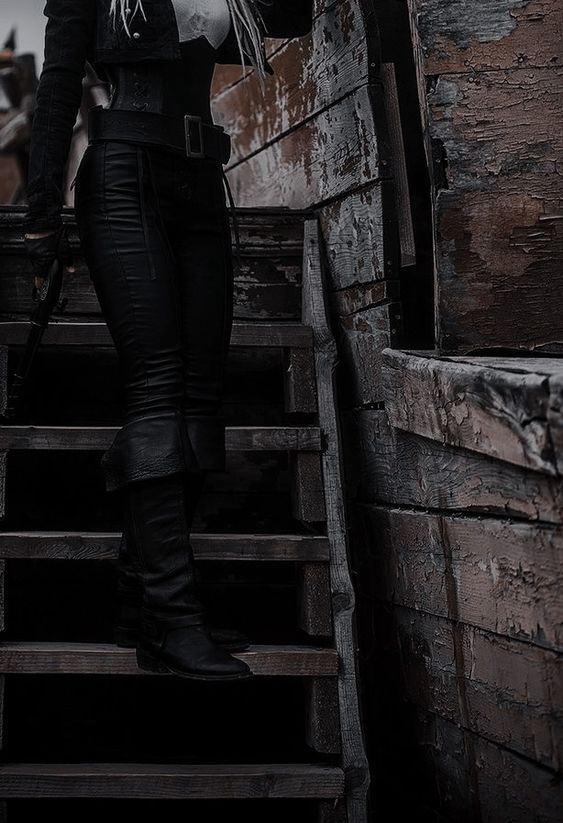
[188, 120]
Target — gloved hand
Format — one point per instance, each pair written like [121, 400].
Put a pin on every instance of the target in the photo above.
[43, 248]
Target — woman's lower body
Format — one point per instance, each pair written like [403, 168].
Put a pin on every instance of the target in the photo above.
[155, 234]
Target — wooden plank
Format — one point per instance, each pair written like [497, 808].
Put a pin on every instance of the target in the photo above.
[500, 414]
[526, 364]
[499, 575]
[354, 758]
[3, 466]
[322, 712]
[237, 438]
[509, 34]
[207, 546]
[503, 690]
[392, 466]
[307, 487]
[147, 781]
[100, 658]
[3, 378]
[304, 82]
[479, 780]
[362, 336]
[502, 131]
[300, 387]
[354, 230]
[315, 614]
[281, 335]
[403, 203]
[519, 282]
[321, 160]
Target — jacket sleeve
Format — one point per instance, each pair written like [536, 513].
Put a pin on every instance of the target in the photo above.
[69, 29]
[286, 18]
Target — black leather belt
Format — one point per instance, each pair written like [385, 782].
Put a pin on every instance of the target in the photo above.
[188, 133]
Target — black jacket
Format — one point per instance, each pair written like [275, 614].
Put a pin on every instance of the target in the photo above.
[78, 31]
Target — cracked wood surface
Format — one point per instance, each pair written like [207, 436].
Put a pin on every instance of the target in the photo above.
[488, 80]
[508, 409]
[393, 466]
[507, 575]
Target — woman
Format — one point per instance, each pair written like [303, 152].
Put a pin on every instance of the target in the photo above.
[153, 223]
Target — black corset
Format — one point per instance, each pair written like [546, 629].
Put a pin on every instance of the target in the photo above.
[174, 87]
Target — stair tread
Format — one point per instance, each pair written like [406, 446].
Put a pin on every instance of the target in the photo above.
[26, 657]
[170, 780]
[237, 438]
[81, 333]
[84, 545]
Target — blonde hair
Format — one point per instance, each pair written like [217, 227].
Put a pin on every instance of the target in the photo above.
[244, 14]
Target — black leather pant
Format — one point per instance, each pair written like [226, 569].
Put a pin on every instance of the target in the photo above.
[155, 234]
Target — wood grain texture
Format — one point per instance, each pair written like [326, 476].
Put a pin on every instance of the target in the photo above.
[503, 690]
[506, 575]
[206, 546]
[310, 74]
[391, 466]
[491, 35]
[477, 779]
[362, 336]
[147, 781]
[353, 228]
[488, 79]
[500, 413]
[99, 658]
[323, 159]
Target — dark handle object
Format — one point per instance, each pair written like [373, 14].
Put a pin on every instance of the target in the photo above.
[47, 297]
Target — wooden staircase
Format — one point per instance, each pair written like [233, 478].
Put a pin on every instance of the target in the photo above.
[279, 304]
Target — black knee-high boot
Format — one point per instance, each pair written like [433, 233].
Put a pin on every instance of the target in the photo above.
[129, 587]
[173, 635]
[148, 461]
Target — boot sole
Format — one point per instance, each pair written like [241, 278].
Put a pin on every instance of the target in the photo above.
[149, 664]
[126, 639]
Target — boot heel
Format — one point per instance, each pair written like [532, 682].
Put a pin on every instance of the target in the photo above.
[149, 663]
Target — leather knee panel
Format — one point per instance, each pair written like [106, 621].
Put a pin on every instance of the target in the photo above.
[151, 446]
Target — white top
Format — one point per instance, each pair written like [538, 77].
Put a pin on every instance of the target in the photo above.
[210, 18]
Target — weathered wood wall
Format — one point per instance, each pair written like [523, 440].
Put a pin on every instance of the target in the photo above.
[317, 138]
[455, 505]
[489, 80]
[462, 519]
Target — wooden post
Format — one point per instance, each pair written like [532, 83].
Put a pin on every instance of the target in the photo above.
[354, 760]
[3, 464]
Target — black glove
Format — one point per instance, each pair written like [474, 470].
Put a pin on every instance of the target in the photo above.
[42, 252]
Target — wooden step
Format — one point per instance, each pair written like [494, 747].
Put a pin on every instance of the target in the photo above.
[105, 658]
[282, 335]
[97, 438]
[104, 546]
[297, 780]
